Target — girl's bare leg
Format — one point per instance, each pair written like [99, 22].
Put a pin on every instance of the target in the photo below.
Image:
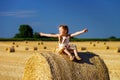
[69, 54]
[76, 54]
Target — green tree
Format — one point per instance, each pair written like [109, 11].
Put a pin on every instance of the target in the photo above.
[112, 37]
[17, 35]
[25, 31]
[36, 35]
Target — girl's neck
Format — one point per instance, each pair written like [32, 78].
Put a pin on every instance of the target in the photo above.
[64, 35]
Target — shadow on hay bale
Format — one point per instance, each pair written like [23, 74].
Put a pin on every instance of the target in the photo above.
[49, 66]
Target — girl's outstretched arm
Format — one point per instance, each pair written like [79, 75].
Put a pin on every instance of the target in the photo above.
[79, 32]
[48, 35]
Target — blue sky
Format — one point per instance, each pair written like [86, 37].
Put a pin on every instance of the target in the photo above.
[101, 17]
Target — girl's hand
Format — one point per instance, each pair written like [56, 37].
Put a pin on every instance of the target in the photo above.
[85, 30]
[41, 34]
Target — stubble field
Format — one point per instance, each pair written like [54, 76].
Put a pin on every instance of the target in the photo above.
[12, 61]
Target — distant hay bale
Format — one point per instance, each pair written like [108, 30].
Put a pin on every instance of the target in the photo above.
[17, 45]
[44, 47]
[42, 43]
[94, 45]
[38, 43]
[35, 48]
[6, 49]
[50, 66]
[13, 43]
[118, 49]
[90, 42]
[97, 42]
[107, 47]
[104, 43]
[10, 49]
[83, 48]
[26, 42]
[26, 48]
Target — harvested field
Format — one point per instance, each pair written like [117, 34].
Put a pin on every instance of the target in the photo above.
[12, 64]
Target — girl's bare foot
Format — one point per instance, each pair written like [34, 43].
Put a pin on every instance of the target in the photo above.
[71, 58]
[78, 58]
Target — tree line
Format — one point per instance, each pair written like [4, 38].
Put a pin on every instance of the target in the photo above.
[26, 33]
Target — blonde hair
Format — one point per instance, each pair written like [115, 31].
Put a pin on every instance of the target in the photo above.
[65, 27]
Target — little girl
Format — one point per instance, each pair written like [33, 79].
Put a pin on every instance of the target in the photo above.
[64, 37]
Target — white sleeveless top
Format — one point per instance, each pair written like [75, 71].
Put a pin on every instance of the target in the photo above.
[65, 41]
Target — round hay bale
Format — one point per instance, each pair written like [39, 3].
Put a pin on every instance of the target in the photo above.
[37, 68]
[50, 66]
[94, 45]
[104, 43]
[26, 48]
[118, 49]
[42, 43]
[83, 48]
[38, 43]
[90, 42]
[6, 49]
[11, 49]
[26, 42]
[98, 42]
[35, 48]
[44, 47]
[107, 47]
[13, 43]
[17, 45]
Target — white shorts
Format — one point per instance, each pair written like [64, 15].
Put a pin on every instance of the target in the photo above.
[69, 46]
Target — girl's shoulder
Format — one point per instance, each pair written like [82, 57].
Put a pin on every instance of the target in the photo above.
[58, 35]
[69, 35]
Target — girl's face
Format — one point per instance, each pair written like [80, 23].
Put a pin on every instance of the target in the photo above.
[62, 31]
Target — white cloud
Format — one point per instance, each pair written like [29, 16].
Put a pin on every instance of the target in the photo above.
[20, 14]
